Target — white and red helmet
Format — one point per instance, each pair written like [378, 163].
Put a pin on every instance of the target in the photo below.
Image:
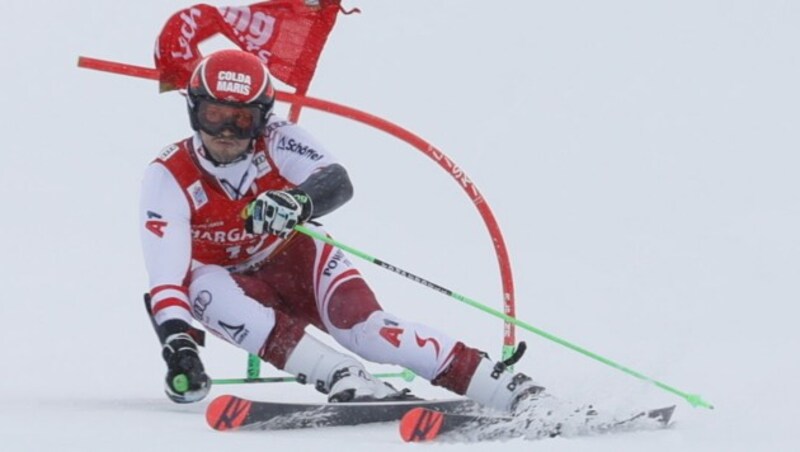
[230, 89]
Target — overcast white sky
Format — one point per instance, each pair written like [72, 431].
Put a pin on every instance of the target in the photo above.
[640, 157]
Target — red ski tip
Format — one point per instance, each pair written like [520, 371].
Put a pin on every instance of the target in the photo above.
[420, 424]
[227, 412]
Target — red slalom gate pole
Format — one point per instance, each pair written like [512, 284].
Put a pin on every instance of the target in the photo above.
[118, 68]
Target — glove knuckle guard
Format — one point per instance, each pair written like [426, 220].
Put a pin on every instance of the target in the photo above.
[277, 212]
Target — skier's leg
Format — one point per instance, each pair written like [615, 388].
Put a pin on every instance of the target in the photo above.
[224, 309]
[293, 273]
[318, 283]
[352, 315]
[432, 355]
[255, 321]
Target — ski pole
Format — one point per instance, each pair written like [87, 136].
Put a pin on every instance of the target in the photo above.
[406, 375]
[693, 399]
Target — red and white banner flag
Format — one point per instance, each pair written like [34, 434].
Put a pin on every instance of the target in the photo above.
[286, 34]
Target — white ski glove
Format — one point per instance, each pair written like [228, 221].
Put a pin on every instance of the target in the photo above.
[277, 212]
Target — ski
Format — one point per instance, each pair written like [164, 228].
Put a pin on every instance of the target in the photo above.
[229, 412]
[424, 424]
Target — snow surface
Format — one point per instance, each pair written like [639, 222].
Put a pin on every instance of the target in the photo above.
[641, 158]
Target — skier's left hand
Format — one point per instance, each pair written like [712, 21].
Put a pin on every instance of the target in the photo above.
[277, 212]
[186, 380]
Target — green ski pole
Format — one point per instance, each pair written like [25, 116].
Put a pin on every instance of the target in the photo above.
[693, 399]
[406, 375]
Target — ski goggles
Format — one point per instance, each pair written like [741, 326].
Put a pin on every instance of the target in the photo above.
[244, 121]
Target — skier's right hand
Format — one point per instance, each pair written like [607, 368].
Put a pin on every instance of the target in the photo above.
[186, 380]
[277, 212]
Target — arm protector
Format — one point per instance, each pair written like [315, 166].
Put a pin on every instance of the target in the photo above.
[329, 188]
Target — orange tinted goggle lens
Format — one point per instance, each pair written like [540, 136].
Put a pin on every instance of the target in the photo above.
[215, 118]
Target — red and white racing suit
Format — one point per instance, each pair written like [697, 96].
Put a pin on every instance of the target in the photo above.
[260, 292]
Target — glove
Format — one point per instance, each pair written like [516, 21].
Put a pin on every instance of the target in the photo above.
[186, 380]
[277, 212]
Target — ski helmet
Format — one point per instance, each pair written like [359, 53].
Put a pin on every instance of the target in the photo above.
[230, 90]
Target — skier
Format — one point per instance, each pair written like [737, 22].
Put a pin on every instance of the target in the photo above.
[217, 217]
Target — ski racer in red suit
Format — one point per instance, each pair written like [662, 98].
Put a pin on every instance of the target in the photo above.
[217, 217]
